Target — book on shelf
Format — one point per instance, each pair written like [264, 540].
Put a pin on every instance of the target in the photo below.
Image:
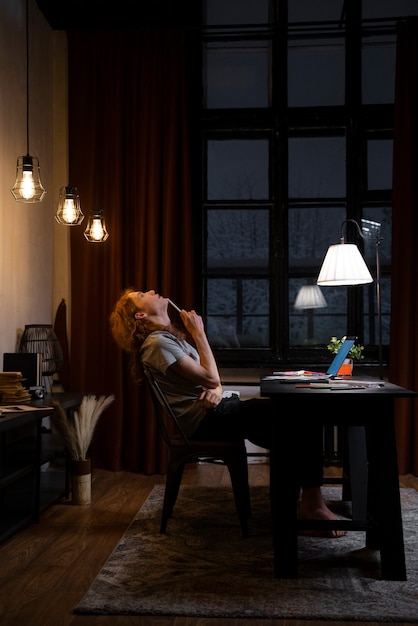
[12, 389]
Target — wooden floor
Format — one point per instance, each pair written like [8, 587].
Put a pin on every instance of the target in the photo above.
[46, 568]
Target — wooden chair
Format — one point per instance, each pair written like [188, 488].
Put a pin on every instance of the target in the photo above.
[183, 450]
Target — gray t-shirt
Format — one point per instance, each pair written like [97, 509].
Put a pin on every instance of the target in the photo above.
[160, 350]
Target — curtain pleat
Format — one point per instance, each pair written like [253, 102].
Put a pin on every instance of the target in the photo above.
[403, 364]
[129, 156]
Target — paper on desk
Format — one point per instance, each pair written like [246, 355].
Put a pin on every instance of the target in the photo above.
[300, 375]
[356, 381]
[20, 408]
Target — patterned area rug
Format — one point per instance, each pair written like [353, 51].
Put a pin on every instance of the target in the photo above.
[203, 568]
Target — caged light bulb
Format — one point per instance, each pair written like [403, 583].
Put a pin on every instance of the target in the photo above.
[96, 228]
[69, 211]
[28, 187]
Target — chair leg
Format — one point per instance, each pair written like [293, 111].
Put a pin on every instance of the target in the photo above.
[172, 486]
[238, 471]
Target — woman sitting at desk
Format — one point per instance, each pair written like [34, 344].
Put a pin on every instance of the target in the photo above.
[189, 378]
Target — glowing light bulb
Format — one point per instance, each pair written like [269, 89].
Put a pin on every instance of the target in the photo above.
[96, 229]
[27, 186]
[69, 212]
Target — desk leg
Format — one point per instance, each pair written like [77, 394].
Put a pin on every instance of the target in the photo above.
[284, 494]
[385, 504]
[358, 474]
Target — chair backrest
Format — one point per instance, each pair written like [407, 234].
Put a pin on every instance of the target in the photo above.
[163, 411]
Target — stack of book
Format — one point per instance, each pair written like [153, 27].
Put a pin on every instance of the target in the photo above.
[12, 389]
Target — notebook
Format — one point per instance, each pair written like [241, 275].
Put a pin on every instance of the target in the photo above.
[312, 376]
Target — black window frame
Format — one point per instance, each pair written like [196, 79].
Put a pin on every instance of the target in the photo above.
[355, 121]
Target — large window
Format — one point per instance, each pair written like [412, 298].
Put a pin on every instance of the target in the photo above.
[297, 112]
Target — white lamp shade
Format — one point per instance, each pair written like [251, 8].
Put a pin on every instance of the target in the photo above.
[310, 297]
[344, 265]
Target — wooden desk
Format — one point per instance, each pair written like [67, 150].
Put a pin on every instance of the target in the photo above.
[24, 490]
[371, 408]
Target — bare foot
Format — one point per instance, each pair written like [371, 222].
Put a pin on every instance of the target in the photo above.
[313, 507]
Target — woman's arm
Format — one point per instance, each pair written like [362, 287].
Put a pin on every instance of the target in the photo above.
[206, 371]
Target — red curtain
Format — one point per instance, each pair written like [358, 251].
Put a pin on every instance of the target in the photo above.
[129, 156]
[403, 366]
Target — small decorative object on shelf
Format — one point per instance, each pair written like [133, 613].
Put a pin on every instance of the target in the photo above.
[41, 339]
[77, 432]
[355, 353]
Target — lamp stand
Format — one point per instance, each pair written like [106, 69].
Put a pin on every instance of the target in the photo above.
[379, 306]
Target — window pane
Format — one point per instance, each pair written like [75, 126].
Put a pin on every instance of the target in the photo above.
[382, 215]
[237, 75]
[311, 232]
[379, 163]
[238, 169]
[238, 239]
[218, 12]
[238, 313]
[378, 76]
[318, 11]
[317, 167]
[388, 8]
[371, 330]
[316, 72]
[308, 327]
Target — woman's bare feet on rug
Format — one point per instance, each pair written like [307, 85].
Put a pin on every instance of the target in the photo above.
[312, 506]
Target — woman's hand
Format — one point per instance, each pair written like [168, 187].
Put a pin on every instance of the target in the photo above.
[211, 397]
[192, 322]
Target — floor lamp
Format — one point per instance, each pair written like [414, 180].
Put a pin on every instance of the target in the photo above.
[344, 265]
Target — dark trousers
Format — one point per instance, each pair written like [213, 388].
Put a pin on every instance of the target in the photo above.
[252, 419]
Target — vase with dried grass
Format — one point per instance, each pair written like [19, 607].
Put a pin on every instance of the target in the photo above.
[77, 430]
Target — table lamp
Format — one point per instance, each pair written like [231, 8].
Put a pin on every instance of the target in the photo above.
[344, 265]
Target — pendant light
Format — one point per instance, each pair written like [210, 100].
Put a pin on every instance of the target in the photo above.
[96, 228]
[69, 211]
[28, 187]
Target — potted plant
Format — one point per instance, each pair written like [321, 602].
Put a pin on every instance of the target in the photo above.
[77, 433]
[355, 353]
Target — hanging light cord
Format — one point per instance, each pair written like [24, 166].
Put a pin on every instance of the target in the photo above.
[27, 77]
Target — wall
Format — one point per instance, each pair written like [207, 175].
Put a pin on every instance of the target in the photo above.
[33, 247]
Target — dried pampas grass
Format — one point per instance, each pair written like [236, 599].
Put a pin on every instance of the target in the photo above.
[77, 429]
